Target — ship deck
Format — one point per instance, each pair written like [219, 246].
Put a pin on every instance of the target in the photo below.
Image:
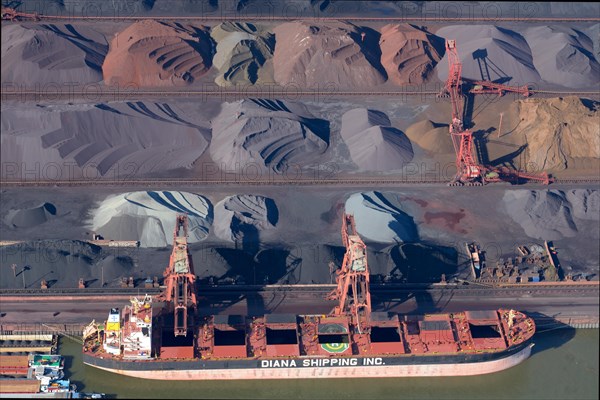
[283, 336]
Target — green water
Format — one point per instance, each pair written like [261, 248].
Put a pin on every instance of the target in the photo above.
[564, 365]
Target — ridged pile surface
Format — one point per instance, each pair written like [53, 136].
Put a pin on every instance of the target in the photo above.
[338, 54]
[267, 134]
[558, 131]
[150, 217]
[151, 53]
[242, 218]
[108, 139]
[409, 53]
[243, 49]
[52, 55]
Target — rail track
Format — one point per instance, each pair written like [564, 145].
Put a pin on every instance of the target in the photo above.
[242, 16]
[79, 292]
[586, 288]
[250, 182]
[98, 93]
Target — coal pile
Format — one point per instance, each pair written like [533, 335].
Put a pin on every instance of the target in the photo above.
[490, 52]
[106, 139]
[552, 214]
[242, 218]
[30, 217]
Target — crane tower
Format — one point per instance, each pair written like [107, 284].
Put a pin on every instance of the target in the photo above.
[180, 292]
[352, 291]
[462, 139]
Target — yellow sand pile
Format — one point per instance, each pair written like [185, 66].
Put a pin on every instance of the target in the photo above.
[558, 131]
[431, 137]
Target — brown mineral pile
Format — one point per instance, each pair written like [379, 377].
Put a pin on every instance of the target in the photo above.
[558, 131]
[151, 53]
[431, 137]
[338, 53]
[409, 53]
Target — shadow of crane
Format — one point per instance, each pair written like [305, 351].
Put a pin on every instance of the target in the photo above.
[481, 140]
[468, 110]
[485, 65]
[509, 159]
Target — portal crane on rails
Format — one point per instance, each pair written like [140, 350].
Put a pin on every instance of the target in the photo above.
[352, 290]
[180, 279]
[468, 170]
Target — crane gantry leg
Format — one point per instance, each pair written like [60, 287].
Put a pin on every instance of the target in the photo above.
[352, 291]
[180, 292]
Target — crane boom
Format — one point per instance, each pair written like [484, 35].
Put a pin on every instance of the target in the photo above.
[453, 84]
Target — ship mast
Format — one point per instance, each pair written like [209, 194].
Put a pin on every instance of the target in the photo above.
[180, 292]
[352, 291]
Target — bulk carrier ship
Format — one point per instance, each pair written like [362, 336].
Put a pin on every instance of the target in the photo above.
[352, 341]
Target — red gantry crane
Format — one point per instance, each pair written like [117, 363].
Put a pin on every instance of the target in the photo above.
[180, 292]
[468, 170]
[352, 278]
